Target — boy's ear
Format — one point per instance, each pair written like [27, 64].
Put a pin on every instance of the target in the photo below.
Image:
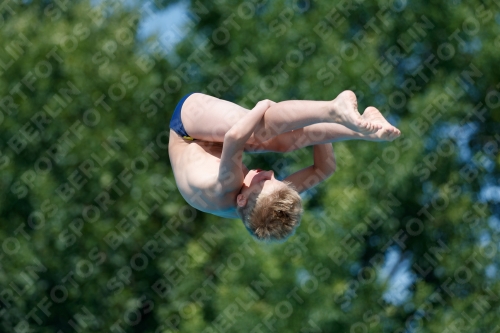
[241, 200]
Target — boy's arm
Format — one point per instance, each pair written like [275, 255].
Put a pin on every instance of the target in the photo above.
[324, 166]
[230, 170]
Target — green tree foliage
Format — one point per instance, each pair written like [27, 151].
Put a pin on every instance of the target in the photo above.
[96, 237]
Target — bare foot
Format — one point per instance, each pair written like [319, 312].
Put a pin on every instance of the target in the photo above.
[345, 112]
[387, 132]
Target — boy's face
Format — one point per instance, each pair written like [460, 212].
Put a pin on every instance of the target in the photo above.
[259, 181]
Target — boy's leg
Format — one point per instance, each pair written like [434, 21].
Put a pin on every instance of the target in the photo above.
[326, 133]
[291, 115]
[304, 137]
[209, 118]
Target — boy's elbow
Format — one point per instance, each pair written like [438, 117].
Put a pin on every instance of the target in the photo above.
[326, 171]
[331, 170]
[331, 165]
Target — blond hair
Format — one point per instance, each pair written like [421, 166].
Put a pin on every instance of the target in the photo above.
[275, 216]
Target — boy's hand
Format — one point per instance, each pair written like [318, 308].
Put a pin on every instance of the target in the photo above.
[243, 129]
[230, 170]
[266, 102]
[259, 110]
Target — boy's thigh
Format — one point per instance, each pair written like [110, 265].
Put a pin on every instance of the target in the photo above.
[209, 118]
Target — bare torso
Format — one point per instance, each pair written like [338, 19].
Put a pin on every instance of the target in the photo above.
[196, 167]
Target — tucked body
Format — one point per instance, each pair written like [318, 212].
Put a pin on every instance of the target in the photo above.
[208, 137]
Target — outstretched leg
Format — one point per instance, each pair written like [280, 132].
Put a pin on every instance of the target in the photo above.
[209, 118]
[326, 133]
[291, 115]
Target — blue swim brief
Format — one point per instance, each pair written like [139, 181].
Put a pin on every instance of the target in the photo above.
[176, 122]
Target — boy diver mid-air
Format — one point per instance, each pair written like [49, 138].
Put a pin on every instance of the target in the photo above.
[208, 136]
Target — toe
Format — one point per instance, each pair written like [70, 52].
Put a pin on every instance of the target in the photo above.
[363, 126]
[372, 128]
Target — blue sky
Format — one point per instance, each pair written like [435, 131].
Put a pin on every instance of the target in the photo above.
[173, 17]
